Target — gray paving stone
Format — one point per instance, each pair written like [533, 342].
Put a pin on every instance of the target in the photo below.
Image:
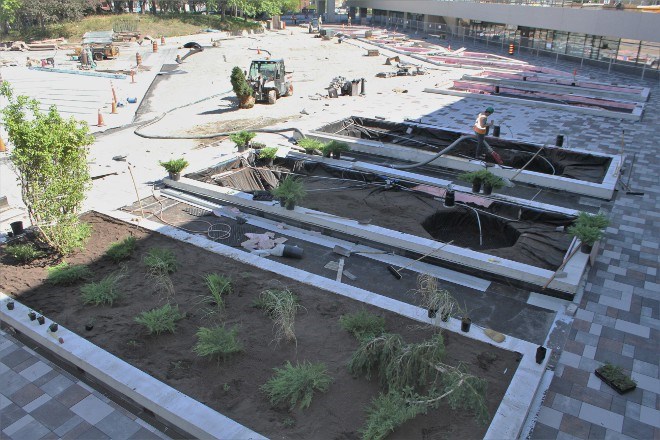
[586, 338]
[10, 415]
[595, 329]
[628, 350]
[117, 425]
[589, 351]
[93, 433]
[566, 405]
[92, 409]
[56, 385]
[35, 371]
[33, 430]
[601, 417]
[144, 434]
[633, 410]
[10, 382]
[52, 414]
[597, 432]
[550, 417]
[632, 328]
[18, 425]
[636, 429]
[645, 368]
[36, 403]
[570, 359]
[14, 357]
[650, 416]
[68, 425]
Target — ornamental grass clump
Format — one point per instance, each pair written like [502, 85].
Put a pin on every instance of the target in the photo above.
[160, 320]
[296, 385]
[24, 253]
[363, 324]
[281, 306]
[174, 166]
[121, 250]
[65, 275]
[218, 286]
[434, 299]
[311, 146]
[217, 342]
[160, 261]
[106, 291]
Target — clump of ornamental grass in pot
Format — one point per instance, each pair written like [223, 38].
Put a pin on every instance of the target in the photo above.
[311, 146]
[267, 155]
[335, 148]
[588, 235]
[476, 178]
[492, 182]
[174, 167]
[290, 191]
[242, 139]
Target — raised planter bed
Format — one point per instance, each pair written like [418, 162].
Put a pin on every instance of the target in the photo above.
[232, 387]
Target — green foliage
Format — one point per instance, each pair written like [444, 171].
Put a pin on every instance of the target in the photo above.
[617, 377]
[105, 291]
[310, 145]
[296, 385]
[268, 153]
[65, 275]
[242, 138]
[121, 250]
[495, 181]
[397, 364]
[160, 261]
[281, 306]
[461, 390]
[240, 85]
[50, 159]
[387, 412]
[586, 234]
[174, 166]
[480, 175]
[24, 253]
[363, 324]
[599, 220]
[217, 341]
[160, 320]
[335, 147]
[218, 286]
[291, 189]
[435, 298]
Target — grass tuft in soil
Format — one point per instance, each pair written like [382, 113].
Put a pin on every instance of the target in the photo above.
[160, 261]
[363, 324]
[296, 385]
[387, 412]
[281, 306]
[160, 320]
[121, 250]
[23, 253]
[218, 342]
[106, 291]
[66, 275]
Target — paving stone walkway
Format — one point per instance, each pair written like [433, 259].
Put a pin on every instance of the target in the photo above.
[618, 315]
[38, 400]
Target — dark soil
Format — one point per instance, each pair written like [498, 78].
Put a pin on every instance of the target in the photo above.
[232, 386]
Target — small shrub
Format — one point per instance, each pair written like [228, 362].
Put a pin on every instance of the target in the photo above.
[387, 412]
[160, 320]
[290, 189]
[310, 145]
[268, 153]
[65, 275]
[281, 306]
[296, 385]
[242, 138]
[363, 324]
[218, 285]
[121, 250]
[67, 234]
[105, 291]
[586, 234]
[217, 341]
[335, 147]
[174, 166]
[160, 261]
[599, 221]
[480, 175]
[24, 253]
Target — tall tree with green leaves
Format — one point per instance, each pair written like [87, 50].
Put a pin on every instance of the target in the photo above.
[8, 14]
[49, 155]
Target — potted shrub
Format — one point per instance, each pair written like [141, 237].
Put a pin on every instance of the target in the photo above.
[41, 319]
[614, 376]
[53, 327]
[599, 220]
[242, 139]
[335, 148]
[311, 146]
[174, 167]
[434, 299]
[491, 182]
[242, 88]
[267, 155]
[32, 315]
[588, 235]
[10, 304]
[476, 178]
[290, 191]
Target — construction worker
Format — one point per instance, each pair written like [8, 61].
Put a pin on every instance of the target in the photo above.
[480, 127]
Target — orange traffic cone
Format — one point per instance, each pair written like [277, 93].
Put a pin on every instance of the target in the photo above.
[100, 122]
[258, 51]
[114, 94]
[2, 146]
[114, 107]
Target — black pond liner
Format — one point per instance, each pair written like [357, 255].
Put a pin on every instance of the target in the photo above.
[509, 231]
[553, 161]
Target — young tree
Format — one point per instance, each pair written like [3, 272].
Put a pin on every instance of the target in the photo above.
[50, 157]
[243, 91]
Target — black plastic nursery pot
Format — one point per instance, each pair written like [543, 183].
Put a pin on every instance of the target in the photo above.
[488, 189]
[175, 176]
[89, 327]
[586, 248]
[32, 316]
[290, 205]
[53, 327]
[282, 202]
[432, 313]
[16, 228]
[445, 317]
[41, 320]
[540, 354]
[450, 198]
[10, 305]
[466, 323]
[476, 186]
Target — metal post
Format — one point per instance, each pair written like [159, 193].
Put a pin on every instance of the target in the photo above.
[557, 58]
[610, 65]
[643, 70]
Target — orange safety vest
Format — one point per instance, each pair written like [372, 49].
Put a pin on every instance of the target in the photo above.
[481, 121]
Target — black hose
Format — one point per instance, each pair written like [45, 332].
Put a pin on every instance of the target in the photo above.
[138, 130]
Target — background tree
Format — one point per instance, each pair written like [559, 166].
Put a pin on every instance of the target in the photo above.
[49, 155]
[8, 14]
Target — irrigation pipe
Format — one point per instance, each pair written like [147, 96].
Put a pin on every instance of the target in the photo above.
[528, 162]
[432, 158]
[481, 242]
[138, 131]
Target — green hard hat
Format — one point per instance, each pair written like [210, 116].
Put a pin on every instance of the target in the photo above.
[490, 110]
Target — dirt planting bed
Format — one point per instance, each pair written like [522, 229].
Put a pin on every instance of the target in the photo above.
[232, 386]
